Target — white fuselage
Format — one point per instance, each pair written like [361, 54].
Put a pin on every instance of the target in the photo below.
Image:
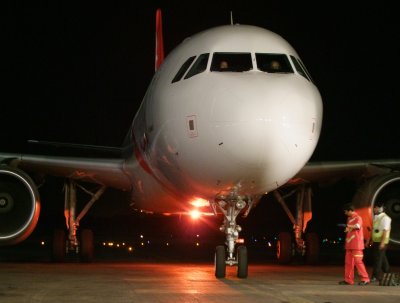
[218, 132]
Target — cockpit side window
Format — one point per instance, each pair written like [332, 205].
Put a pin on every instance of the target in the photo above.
[231, 62]
[305, 69]
[300, 68]
[183, 69]
[273, 63]
[199, 66]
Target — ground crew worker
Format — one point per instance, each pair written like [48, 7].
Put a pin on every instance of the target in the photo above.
[380, 239]
[354, 246]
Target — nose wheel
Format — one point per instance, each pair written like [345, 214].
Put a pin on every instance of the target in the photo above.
[242, 271]
[221, 262]
[220, 265]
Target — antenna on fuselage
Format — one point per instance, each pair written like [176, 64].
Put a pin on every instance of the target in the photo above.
[231, 18]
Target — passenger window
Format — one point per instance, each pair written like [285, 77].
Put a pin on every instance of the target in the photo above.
[231, 62]
[299, 68]
[199, 66]
[183, 69]
[273, 63]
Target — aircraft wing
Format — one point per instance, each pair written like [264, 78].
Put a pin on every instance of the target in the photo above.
[331, 171]
[110, 171]
[104, 171]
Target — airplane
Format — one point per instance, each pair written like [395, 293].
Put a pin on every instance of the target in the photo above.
[231, 115]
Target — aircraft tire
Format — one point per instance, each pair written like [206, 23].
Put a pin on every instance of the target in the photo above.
[284, 248]
[220, 265]
[312, 248]
[59, 246]
[242, 262]
[87, 246]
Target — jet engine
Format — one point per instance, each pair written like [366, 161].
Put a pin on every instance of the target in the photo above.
[383, 189]
[19, 205]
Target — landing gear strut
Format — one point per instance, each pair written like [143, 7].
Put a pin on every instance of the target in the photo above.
[231, 206]
[307, 246]
[84, 246]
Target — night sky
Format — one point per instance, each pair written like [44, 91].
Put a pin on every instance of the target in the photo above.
[77, 72]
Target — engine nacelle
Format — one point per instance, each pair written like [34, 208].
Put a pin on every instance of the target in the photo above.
[384, 189]
[19, 205]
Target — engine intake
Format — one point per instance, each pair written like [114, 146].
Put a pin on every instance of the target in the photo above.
[19, 205]
[384, 189]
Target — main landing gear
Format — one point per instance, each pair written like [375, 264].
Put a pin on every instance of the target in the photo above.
[82, 246]
[231, 206]
[305, 245]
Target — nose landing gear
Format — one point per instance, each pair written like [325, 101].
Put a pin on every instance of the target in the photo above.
[231, 206]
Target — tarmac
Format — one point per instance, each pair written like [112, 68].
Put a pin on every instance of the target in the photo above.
[161, 281]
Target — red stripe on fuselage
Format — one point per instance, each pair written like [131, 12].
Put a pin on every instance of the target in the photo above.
[139, 157]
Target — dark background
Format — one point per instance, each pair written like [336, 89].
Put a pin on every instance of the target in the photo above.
[76, 72]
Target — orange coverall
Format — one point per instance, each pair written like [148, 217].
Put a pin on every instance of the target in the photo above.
[354, 246]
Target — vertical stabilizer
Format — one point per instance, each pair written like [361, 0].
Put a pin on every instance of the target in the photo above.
[159, 41]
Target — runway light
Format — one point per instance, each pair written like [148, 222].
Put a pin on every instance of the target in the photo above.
[130, 248]
[42, 243]
[240, 240]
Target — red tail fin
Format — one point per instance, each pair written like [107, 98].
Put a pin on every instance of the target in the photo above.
[159, 40]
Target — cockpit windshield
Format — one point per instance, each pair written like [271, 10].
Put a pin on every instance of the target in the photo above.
[273, 63]
[241, 62]
[231, 62]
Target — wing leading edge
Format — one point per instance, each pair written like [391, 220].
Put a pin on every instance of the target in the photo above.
[330, 171]
[103, 171]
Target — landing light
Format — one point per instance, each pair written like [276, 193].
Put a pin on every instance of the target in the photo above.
[199, 203]
[195, 214]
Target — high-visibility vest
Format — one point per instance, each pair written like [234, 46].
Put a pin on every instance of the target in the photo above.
[377, 231]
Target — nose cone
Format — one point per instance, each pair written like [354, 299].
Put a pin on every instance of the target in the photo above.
[261, 123]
